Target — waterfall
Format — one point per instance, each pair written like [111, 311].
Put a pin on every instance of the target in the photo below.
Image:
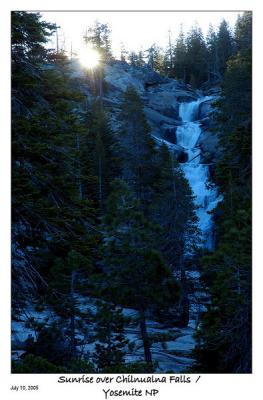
[196, 173]
[189, 111]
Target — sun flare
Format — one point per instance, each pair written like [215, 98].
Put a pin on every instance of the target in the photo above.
[89, 58]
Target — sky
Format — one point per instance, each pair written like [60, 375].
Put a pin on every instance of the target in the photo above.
[137, 30]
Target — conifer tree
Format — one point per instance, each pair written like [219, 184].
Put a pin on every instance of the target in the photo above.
[136, 274]
[212, 50]
[180, 57]
[168, 57]
[224, 46]
[133, 58]
[124, 52]
[196, 56]
[243, 32]
[174, 210]
[155, 58]
[98, 36]
[138, 147]
[50, 215]
[225, 344]
[110, 348]
[102, 149]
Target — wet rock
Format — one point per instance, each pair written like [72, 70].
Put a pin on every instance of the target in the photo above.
[158, 119]
[213, 91]
[205, 109]
[165, 103]
[182, 157]
[205, 122]
[169, 133]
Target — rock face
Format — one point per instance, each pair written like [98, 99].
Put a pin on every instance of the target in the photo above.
[209, 145]
[208, 140]
[204, 109]
[162, 97]
[171, 346]
[119, 79]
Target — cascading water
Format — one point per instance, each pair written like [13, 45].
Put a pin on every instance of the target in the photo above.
[197, 174]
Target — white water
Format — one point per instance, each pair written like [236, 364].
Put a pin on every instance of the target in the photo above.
[197, 174]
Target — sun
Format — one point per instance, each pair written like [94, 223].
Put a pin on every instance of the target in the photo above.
[89, 58]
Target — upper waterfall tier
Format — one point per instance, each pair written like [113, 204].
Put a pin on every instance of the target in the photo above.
[189, 111]
[188, 133]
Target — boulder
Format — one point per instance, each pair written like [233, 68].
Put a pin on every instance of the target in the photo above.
[159, 119]
[205, 122]
[205, 109]
[120, 79]
[165, 103]
[209, 145]
[177, 150]
[214, 91]
[147, 76]
[169, 133]
[182, 157]
[120, 75]
[166, 98]
[179, 89]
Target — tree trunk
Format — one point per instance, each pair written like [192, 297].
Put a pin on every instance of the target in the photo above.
[145, 338]
[100, 85]
[184, 310]
[72, 315]
[184, 301]
[100, 180]
[79, 167]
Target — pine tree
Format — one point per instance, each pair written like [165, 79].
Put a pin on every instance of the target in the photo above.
[141, 61]
[138, 147]
[98, 36]
[196, 57]
[180, 57]
[155, 58]
[51, 216]
[110, 348]
[243, 31]
[102, 149]
[133, 58]
[168, 57]
[124, 52]
[225, 334]
[173, 209]
[135, 273]
[212, 49]
[224, 46]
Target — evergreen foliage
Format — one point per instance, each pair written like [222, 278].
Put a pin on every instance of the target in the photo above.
[180, 57]
[138, 148]
[224, 46]
[110, 349]
[192, 58]
[225, 336]
[98, 37]
[155, 58]
[136, 273]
